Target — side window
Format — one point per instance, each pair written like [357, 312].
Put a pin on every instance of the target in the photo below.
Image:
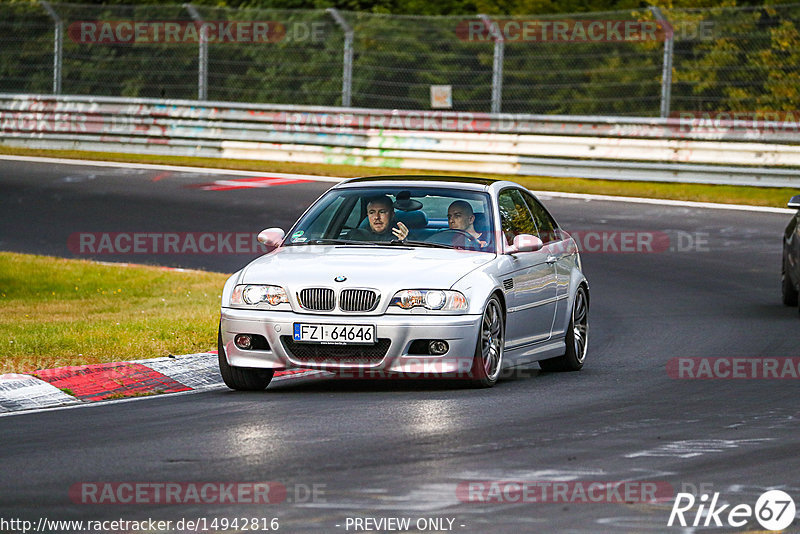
[514, 215]
[548, 229]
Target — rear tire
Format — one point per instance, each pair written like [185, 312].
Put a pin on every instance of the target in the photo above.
[576, 338]
[488, 359]
[241, 378]
[788, 291]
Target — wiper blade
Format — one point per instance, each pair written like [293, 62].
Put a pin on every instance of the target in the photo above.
[331, 242]
[422, 244]
[325, 242]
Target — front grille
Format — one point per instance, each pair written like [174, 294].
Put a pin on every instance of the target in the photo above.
[317, 299]
[358, 300]
[335, 354]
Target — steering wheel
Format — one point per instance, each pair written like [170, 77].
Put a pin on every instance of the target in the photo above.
[472, 241]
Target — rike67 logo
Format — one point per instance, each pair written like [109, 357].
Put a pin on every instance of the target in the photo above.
[774, 510]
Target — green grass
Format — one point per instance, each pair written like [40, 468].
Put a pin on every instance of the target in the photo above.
[59, 312]
[754, 196]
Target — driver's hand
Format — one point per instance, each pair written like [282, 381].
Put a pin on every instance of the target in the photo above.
[401, 232]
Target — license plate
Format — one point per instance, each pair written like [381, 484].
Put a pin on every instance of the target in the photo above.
[335, 333]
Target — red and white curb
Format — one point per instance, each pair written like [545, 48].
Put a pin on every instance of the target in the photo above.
[25, 392]
[82, 384]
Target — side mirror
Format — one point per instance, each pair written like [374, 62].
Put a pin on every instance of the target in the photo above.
[794, 203]
[272, 237]
[524, 243]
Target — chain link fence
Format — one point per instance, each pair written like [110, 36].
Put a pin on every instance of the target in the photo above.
[645, 62]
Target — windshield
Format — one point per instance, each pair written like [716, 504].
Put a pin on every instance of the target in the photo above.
[434, 217]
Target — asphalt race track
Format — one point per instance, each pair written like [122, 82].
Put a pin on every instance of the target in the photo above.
[407, 449]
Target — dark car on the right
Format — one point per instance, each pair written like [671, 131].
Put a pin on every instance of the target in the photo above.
[790, 270]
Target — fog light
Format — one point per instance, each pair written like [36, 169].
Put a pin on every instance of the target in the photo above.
[438, 347]
[243, 341]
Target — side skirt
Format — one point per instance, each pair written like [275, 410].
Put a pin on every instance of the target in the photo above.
[533, 352]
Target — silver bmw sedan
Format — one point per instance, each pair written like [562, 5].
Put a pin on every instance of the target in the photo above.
[434, 276]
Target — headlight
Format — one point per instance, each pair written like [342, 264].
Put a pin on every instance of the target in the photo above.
[253, 295]
[432, 299]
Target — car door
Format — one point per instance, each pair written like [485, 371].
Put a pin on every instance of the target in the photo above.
[529, 280]
[559, 252]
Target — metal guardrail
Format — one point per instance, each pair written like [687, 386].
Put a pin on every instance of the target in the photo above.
[670, 150]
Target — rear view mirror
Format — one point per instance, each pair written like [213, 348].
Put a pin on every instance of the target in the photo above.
[794, 203]
[272, 237]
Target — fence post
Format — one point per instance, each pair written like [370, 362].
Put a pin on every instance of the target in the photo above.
[497, 62]
[202, 58]
[666, 73]
[58, 45]
[347, 68]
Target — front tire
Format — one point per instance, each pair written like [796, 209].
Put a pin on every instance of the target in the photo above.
[788, 291]
[241, 378]
[488, 359]
[576, 338]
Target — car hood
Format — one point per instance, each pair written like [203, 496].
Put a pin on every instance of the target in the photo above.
[363, 266]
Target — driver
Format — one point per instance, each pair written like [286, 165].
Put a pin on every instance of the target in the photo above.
[383, 226]
[461, 217]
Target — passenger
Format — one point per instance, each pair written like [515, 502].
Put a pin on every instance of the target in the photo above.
[461, 217]
[383, 226]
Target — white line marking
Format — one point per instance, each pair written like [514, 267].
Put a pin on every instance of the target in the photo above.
[90, 404]
[697, 447]
[664, 202]
[557, 194]
[176, 168]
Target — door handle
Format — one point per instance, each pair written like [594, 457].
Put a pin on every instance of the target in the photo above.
[551, 259]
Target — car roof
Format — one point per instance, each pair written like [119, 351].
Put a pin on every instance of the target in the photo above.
[464, 182]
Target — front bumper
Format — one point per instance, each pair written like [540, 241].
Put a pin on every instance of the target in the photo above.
[459, 331]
